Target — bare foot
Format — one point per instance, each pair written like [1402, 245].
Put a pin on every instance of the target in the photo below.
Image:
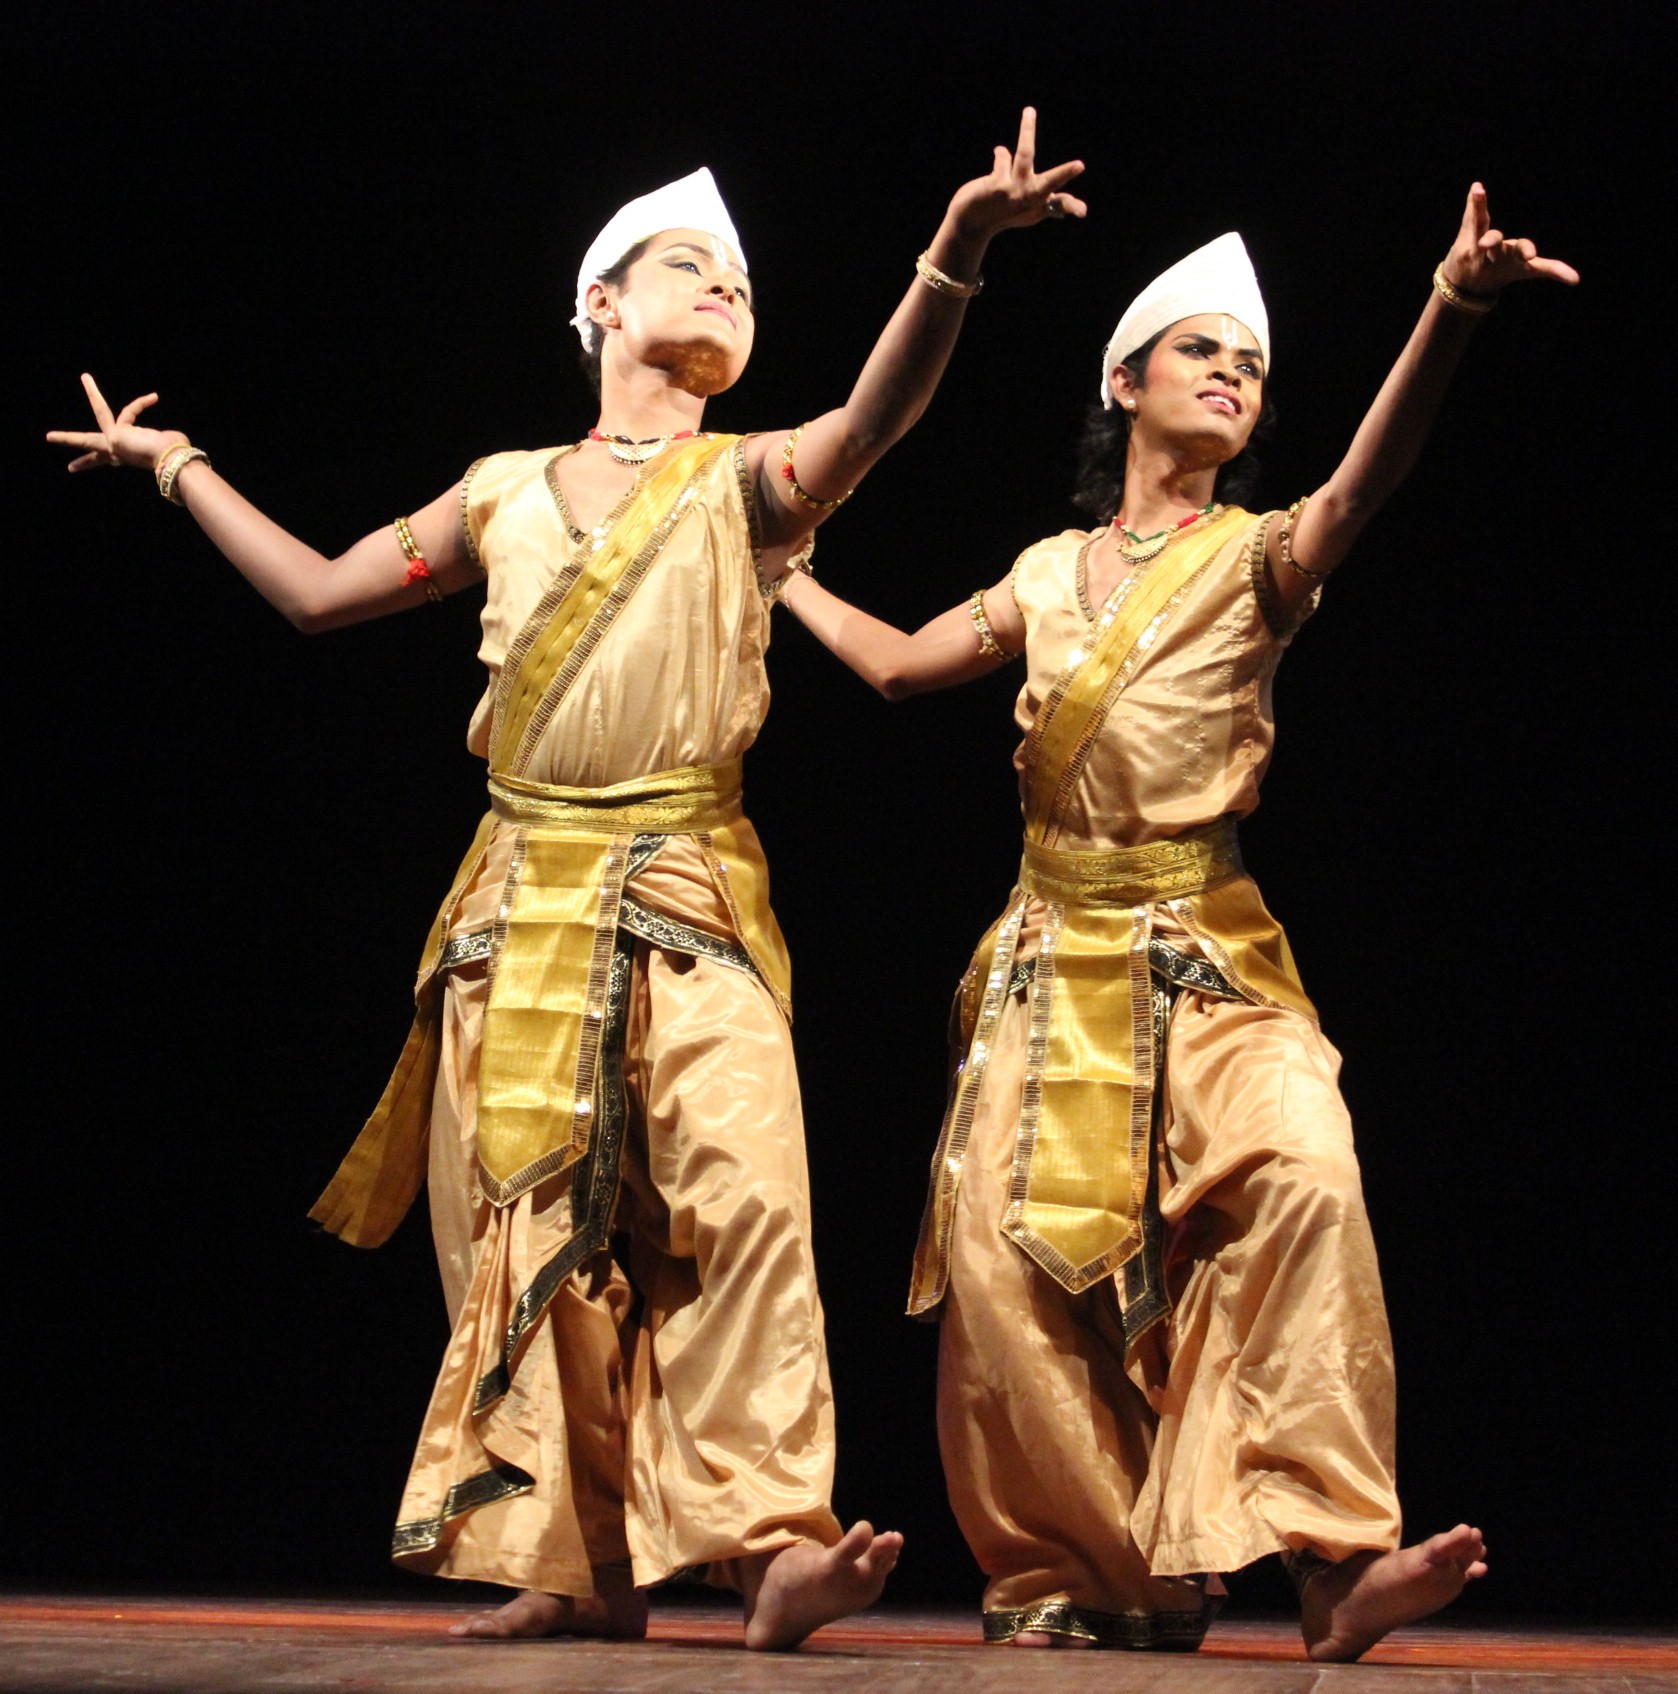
[616, 1610]
[800, 1588]
[1047, 1638]
[1348, 1607]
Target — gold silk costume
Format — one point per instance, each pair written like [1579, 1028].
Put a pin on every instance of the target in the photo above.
[1164, 1347]
[600, 1044]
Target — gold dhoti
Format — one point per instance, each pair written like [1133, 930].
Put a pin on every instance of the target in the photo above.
[1257, 1419]
[601, 1051]
[692, 1427]
[1164, 1351]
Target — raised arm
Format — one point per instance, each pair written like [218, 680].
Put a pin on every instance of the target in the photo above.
[950, 649]
[834, 451]
[373, 577]
[1482, 262]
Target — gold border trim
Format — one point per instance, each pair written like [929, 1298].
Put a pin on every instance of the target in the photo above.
[932, 1256]
[504, 909]
[467, 949]
[1182, 908]
[718, 868]
[1278, 618]
[466, 513]
[550, 475]
[682, 938]
[1134, 1630]
[422, 1535]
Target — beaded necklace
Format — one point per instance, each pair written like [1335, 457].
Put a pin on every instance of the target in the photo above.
[626, 450]
[1146, 547]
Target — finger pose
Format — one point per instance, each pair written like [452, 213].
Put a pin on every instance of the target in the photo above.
[601, 1042]
[1164, 1350]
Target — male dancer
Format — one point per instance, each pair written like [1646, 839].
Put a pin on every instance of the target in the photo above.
[1164, 1348]
[601, 1042]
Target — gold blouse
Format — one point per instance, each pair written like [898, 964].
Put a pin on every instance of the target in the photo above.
[679, 677]
[1189, 739]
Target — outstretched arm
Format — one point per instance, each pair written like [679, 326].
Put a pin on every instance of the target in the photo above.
[373, 577]
[1482, 262]
[939, 654]
[834, 451]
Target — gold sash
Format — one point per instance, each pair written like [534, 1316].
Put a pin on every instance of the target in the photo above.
[1081, 1162]
[540, 1049]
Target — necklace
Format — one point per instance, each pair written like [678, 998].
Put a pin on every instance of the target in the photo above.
[628, 451]
[1145, 547]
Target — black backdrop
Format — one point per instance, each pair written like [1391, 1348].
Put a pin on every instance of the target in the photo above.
[340, 241]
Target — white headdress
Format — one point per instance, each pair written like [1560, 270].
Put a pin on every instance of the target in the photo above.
[1215, 278]
[691, 203]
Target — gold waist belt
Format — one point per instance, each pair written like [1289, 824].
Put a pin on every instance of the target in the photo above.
[691, 800]
[1085, 1139]
[1133, 876]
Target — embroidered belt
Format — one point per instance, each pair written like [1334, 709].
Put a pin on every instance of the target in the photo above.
[1133, 876]
[1169, 965]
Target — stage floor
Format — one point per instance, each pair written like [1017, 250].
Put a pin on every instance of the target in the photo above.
[57, 1644]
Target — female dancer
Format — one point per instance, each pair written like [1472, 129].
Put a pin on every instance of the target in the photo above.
[601, 1042]
[1164, 1349]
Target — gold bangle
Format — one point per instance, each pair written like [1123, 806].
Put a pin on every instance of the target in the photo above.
[988, 644]
[163, 470]
[1284, 543]
[170, 466]
[1476, 305]
[790, 477]
[418, 570]
[940, 282]
[168, 453]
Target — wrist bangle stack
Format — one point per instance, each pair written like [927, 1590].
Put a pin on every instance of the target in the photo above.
[1476, 305]
[1284, 543]
[940, 282]
[988, 644]
[169, 467]
[790, 477]
[418, 570]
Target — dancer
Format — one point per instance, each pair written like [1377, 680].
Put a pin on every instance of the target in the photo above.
[601, 1042]
[1164, 1350]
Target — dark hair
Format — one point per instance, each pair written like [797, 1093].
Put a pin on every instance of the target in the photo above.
[616, 276]
[1099, 489]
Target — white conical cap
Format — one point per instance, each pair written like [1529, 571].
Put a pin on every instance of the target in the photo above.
[690, 203]
[1215, 278]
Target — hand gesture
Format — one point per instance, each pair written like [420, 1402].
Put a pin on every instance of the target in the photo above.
[1483, 260]
[1016, 194]
[118, 440]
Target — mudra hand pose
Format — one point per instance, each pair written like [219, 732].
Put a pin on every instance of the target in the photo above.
[601, 1042]
[1164, 1350]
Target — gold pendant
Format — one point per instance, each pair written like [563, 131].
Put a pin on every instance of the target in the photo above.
[1143, 554]
[638, 452]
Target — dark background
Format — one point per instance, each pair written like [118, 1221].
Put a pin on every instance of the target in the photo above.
[342, 242]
